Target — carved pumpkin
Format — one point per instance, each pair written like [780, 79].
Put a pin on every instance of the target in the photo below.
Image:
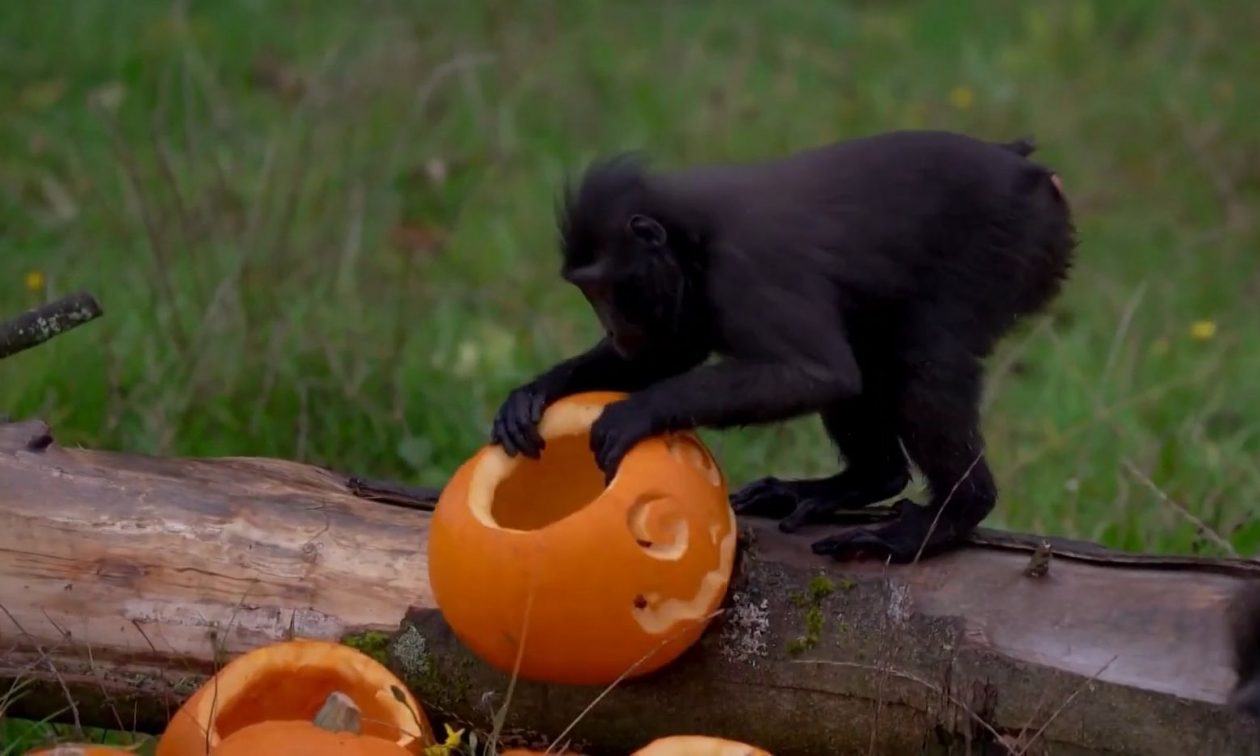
[82, 749]
[335, 731]
[606, 575]
[698, 745]
[291, 681]
[297, 738]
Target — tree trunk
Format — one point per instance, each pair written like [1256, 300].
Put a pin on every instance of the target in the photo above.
[125, 580]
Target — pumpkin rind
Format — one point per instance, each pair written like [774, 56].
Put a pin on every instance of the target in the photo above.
[298, 738]
[698, 745]
[290, 680]
[82, 749]
[630, 571]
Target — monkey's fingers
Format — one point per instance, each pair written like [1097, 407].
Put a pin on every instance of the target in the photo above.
[767, 497]
[858, 542]
[900, 541]
[499, 436]
[819, 511]
[514, 429]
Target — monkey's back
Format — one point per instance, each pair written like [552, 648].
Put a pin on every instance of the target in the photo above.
[903, 224]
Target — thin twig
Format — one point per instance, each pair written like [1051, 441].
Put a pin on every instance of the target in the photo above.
[564, 733]
[36, 326]
[890, 670]
[941, 509]
[1064, 705]
[1203, 528]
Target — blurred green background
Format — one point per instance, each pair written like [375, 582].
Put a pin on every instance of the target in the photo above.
[324, 230]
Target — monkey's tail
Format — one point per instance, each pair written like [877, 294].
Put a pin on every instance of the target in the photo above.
[1244, 628]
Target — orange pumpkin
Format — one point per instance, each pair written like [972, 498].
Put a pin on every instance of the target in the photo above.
[291, 681]
[335, 731]
[698, 745]
[297, 738]
[605, 575]
[82, 749]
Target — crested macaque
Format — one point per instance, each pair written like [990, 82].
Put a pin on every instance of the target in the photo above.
[1243, 619]
[863, 280]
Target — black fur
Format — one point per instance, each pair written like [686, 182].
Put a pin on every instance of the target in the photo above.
[1244, 626]
[863, 281]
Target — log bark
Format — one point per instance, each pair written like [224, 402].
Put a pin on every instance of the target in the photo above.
[126, 579]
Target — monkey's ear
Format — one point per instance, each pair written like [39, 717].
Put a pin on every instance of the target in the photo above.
[647, 230]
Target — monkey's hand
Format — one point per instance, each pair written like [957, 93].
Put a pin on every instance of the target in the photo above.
[516, 424]
[620, 426]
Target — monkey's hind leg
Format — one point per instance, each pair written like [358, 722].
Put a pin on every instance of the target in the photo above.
[876, 470]
[940, 428]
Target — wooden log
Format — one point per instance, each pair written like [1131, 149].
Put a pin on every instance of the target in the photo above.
[125, 580]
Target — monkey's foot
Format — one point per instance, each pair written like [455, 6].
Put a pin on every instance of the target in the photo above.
[796, 503]
[911, 535]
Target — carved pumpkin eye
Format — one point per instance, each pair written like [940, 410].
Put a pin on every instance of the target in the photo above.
[538, 558]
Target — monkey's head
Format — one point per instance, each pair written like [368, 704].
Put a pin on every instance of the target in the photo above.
[620, 250]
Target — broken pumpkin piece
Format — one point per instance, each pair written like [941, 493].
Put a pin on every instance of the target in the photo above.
[293, 680]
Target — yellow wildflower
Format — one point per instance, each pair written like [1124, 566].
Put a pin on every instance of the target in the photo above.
[35, 281]
[1202, 330]
[961, 97]
[454, 738]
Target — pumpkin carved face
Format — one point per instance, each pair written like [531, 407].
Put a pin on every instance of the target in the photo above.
[291, 681]
[584, 581]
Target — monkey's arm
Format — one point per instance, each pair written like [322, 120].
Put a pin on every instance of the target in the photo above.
[598, 368]
[737, 392]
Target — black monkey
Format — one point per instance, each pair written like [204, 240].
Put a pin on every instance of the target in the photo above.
[1243, 616]
[863, 280]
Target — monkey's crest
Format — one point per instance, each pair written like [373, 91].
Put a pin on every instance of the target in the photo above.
[590, 212]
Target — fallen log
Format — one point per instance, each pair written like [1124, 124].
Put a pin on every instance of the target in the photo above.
[126, 579]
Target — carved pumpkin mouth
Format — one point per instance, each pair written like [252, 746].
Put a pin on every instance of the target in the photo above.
[504, 492]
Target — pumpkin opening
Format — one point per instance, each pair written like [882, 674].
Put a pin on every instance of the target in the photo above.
[536, 493]
[298, 692]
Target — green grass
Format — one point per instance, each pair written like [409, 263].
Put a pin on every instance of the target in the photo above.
[325, 232]
[283, 274]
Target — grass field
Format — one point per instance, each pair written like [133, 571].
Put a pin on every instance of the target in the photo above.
[324, 231]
